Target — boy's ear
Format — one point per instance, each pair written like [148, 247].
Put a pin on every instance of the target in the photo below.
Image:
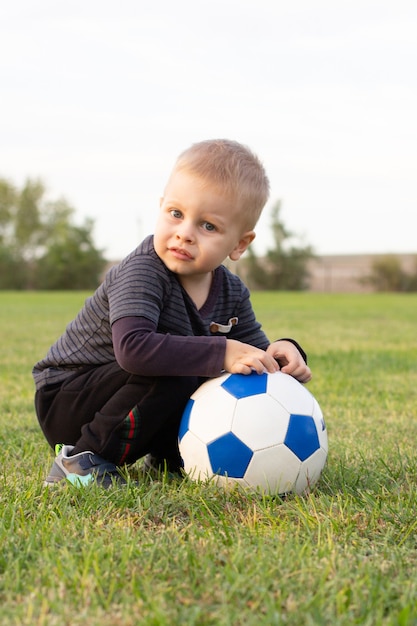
[242, 245]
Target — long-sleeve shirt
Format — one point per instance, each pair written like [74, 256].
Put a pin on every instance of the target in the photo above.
[141, 317]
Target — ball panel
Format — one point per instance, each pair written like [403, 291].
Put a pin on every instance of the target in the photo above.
[310, 471]
[290, 393]
[242, 386]
[195, 456]
[206, 387]
[260, 423]
[185, 420]
[229, 456]
[212, 415]
[321, 425]
[229, 483]
[273, 470]
[302, 437]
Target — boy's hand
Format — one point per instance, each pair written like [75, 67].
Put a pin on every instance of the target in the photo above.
[242, 358]
[290, 360]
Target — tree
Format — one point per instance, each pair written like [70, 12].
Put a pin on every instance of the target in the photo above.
[28, 227]
[387, 274]
[12, 268]
[70, 261]
[8, 197]
[40, 246]
[284, 267]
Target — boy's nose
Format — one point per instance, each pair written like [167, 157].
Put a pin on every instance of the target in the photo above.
[185, 232]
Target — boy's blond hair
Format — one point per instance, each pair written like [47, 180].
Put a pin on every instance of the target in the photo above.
[234, 169]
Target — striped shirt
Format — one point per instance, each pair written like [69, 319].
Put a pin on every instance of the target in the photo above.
[141, 286]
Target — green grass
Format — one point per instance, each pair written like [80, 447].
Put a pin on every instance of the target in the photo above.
[172, 552]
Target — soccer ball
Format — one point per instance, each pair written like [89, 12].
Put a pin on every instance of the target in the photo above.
[265, 432]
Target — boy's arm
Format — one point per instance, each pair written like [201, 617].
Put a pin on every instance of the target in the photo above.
[141, 350]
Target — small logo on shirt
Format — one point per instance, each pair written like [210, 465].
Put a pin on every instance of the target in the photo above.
[215, 327]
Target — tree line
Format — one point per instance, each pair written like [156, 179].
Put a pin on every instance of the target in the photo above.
[40, 245]
[285, 265]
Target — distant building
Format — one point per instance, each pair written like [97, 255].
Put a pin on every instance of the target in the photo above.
[345, 272]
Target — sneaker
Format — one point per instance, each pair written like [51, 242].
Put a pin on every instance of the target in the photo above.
[82, 469]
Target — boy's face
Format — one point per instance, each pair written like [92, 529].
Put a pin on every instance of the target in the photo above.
[198, 227]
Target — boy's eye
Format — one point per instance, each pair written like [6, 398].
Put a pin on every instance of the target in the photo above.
[209, 227]
[176, 213]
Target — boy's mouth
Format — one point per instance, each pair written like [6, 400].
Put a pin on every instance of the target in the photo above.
[180, 253]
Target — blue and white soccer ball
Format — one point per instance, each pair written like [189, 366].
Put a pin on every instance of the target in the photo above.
[263, 431]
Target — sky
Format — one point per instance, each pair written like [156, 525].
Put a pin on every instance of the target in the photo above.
[98, 98]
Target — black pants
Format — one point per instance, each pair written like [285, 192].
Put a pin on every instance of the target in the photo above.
[115, 414]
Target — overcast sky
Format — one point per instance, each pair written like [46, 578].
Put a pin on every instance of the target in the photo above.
[98, 98]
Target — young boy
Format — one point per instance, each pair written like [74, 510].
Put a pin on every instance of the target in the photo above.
[113, 387]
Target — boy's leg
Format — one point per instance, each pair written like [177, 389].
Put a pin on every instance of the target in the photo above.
[115, 414]
[147, 421]
[64, 408]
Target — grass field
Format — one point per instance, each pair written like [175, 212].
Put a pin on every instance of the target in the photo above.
[171, 552]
